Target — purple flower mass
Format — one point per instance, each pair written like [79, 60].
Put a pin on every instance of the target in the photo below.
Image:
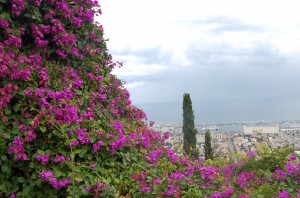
[284, 194]
[59, 184]
[43, 159]
[170, 191]
[4, 24]
[66, 120]
[46, 175]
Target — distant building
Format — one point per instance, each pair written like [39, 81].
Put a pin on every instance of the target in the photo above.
[261, 129]
[291, 129]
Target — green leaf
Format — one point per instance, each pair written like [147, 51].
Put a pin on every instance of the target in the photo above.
[78, 178]
[41, 152]
[16, 32]
[93, 139]
[77, 151]
[83, 151]
[5, 169]
[16, 108]
[3, 1]
[77, 169]
[43, 129]
[21, 92]
[57, 172]
[4, 158]
[2, 187]
[63, 127]
[21, 180]
[72, 156]
[90, 156]
[117, 180]
[26, 191]
[7, 111]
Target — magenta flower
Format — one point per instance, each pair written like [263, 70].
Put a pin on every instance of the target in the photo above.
[40, 43]
[45, 175]
[184, 161]
[18, 149]
[31, 135]
[228, 193]
[167, 135]
[87, 189]
[44, 159]
[59, 184]
[74, 143]
[77, 22]
[251, 154]
[13, 41]
[93, 166]
[23, 128]
[61, 54]
[217, 195]
[246, 178]
[22, 157]
[284, 194]
[170, 191]
[290, 169]
[96, 147]
[292, 158]
[60, 159]
[190, 171]
[156, 181]
[118, 127]
[3, 24]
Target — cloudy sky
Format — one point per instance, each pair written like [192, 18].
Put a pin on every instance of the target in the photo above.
[239, 59]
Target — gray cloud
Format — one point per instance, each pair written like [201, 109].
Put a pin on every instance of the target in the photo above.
[152, 55]
[257, 55]
[226, 24]
[224, 72]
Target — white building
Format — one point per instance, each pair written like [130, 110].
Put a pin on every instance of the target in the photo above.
[261, 129]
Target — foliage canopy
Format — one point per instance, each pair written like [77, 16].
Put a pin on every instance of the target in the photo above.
[67, 125]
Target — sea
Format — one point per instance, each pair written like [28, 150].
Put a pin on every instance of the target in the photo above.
[226, 115]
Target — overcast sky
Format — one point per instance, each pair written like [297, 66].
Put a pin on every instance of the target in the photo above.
[217, 50]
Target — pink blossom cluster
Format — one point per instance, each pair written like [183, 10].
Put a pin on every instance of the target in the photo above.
[154, 155]
[39, 35]
[47, 176]
[17, 148]
[7, 94]
[17, 6]
[292, 171]
[4, 24]
[43, 159]
[246, 178]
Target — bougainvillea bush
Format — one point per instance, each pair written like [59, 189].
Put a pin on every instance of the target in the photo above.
[68, 128]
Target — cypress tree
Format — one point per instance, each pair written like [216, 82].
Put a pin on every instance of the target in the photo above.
[188, 128]
[208, 147]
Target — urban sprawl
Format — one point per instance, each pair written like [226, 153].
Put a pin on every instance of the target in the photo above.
[274, 134]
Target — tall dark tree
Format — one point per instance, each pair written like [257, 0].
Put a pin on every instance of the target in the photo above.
[188, 128]
[208, 147]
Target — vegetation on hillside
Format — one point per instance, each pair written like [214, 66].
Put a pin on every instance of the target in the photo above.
[188, 128]
[208, 150]
[68, 128]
